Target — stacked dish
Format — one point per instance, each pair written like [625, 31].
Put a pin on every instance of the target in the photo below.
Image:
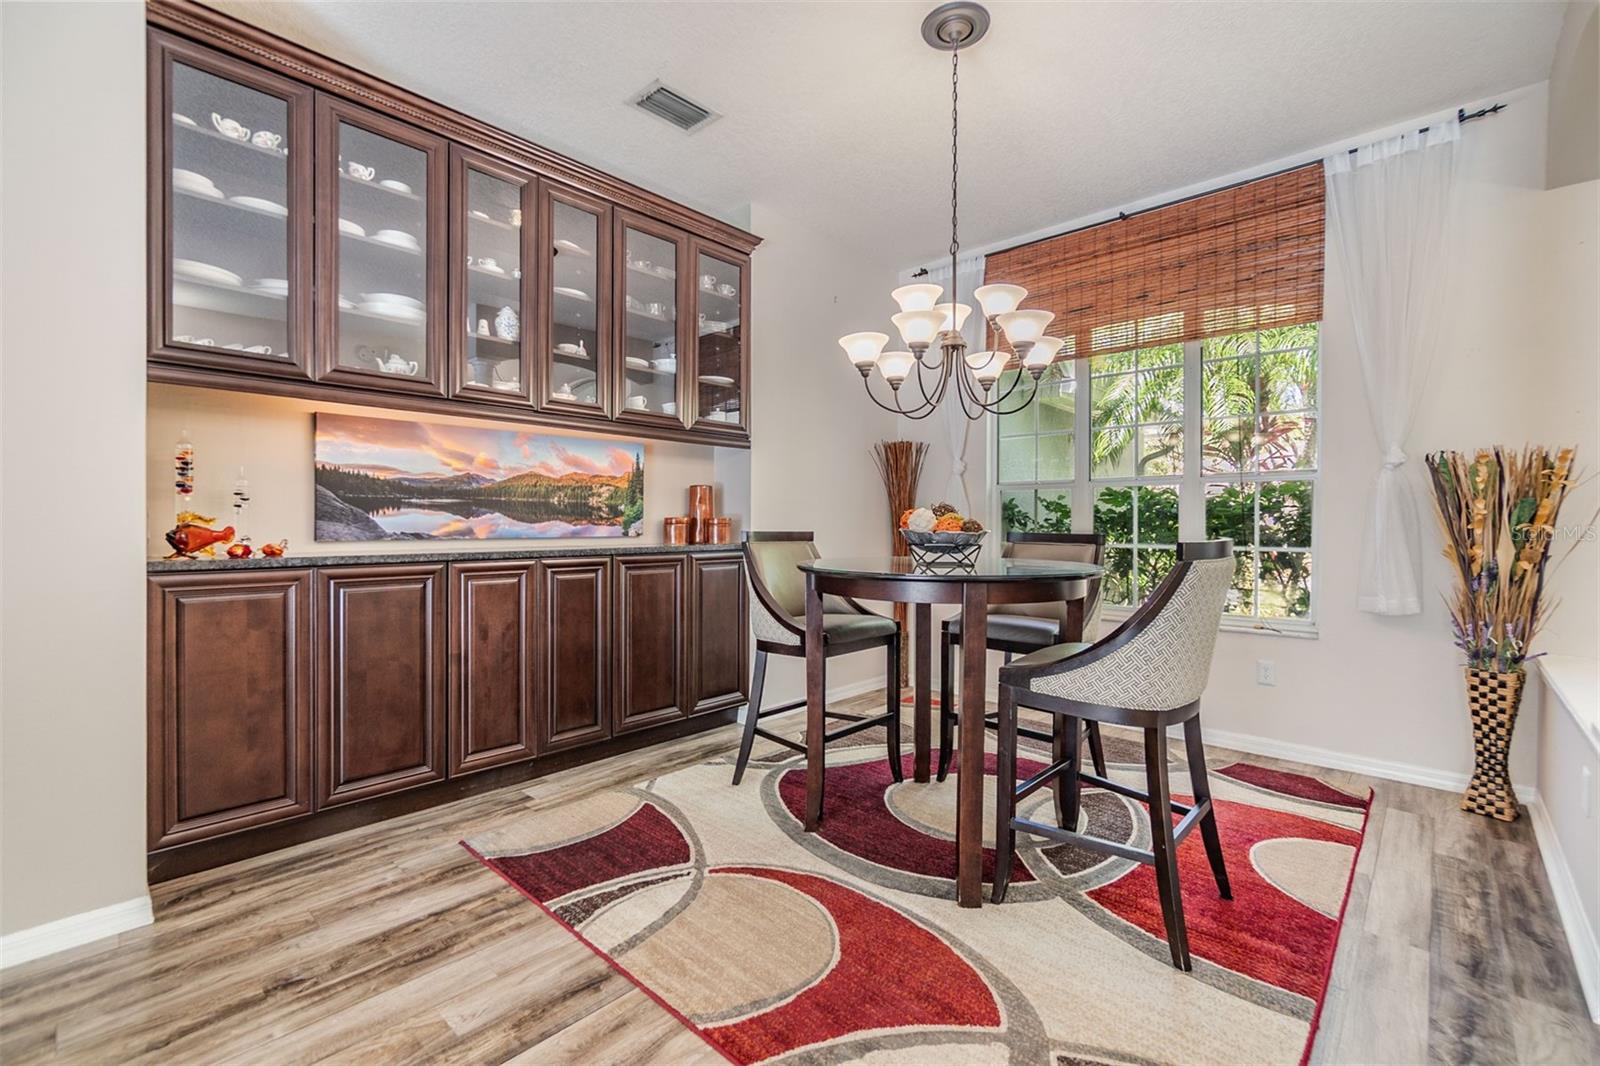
[397, 238]
[193, 270]
[393, 305]
[256, 203]
[195, 184]
[271, 287]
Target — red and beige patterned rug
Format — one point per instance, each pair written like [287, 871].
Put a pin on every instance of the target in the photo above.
[846, 945]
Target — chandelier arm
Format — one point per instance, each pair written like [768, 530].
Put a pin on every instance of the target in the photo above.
[915, 413]
[1021, 406]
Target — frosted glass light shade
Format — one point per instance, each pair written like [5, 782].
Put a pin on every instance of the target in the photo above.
[1024, 327]
[863, 348]
[998, 299]
[1043, 352]
[962, 311]
[986, 366]
[894, 366]
[918, 327]
[917, 297]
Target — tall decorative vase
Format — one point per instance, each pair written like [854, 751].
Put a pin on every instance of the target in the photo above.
[1493, 699]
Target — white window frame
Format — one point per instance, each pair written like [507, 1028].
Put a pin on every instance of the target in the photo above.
[1191, 483]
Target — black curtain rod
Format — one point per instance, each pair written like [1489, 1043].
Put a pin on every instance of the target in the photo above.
[1122, 216]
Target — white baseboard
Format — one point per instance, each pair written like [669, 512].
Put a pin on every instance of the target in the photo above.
[74, 930]
[1581, 938]
[1410, 773]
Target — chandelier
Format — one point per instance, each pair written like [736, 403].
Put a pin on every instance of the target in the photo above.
[924, 323]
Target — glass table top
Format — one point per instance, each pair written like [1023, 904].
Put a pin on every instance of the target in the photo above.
[988, 566]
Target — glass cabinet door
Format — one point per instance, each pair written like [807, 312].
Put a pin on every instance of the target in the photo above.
[382, 289]
[231, 211]
[577, 357]
[650, 268]
[721, 331]
[492, 333]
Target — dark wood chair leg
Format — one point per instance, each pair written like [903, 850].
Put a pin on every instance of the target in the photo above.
[893, 726]
[751, 713]
[1005, 789]
[1097, 749]
[1058, 753]
[1201, 786]
[1162, 847]
[1069, 788]
[947, 708]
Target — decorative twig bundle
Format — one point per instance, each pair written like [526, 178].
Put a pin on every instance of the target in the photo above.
[900, 465]
[1497, 511]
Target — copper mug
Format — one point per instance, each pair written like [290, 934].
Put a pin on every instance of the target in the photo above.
[676, 529]
[722, 530]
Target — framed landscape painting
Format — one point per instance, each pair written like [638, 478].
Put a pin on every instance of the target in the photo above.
[390, 479]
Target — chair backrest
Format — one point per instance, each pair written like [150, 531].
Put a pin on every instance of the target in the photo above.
[773, 559]
[1160, 658]
[1058, 547]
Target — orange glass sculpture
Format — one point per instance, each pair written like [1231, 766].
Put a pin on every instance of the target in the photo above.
[239, 551]
[194, 536]
[274, 549]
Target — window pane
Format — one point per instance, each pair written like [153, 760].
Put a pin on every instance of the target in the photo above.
[1279, 337]
[1113, 514]
[1111, 452]
[1114, 400]
[1289, 381]
[1161, 450]
[1286, 442]
[1016, 459]
[1016, 510]
[1230, 345]
[1285, 584]
[1055, 457]
[1057, 399]
[1225, 445]
[1115, 363]
[1230, 513]
[1161, 394]
[1286, 514]
[1242, 592]
[1055, 512]
[1228, 388]
[1021, 422]
[1165, 355]
[1154, 563]
[1118, 587]
[1158, 515]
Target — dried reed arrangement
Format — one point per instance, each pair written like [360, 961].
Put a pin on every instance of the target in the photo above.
[899, 463]
[1498, 511]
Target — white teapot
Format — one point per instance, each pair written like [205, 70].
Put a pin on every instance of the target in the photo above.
[230, 127]
[396, 365]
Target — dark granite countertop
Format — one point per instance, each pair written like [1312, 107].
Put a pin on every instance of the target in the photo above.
[261, 562]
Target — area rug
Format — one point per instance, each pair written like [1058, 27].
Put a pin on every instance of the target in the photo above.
[846, 945]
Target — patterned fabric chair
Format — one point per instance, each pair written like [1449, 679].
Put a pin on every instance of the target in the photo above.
[778, 617]
[1021, 628]
[1149, 674]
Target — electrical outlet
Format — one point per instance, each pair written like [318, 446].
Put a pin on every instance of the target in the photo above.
[1266, 672]
[1588, 792]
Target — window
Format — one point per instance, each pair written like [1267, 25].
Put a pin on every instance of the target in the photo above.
[1200, 439]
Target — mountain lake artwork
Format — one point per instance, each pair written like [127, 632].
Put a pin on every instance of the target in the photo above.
[388, 479]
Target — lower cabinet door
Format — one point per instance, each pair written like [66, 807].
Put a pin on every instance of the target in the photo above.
[573, 645]
[491, 665]
[229, 702]
[650, 599]
[380, 680]
[719, 633]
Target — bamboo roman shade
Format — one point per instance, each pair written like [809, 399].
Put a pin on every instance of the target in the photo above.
[1240, 258]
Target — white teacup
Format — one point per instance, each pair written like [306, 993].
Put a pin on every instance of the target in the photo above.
[356, 170]
[230, 128]
[266, 139]
[260, 349]
[637, 403]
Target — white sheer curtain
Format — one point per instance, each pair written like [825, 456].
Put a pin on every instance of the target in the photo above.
[956, 430]
[1389, 210]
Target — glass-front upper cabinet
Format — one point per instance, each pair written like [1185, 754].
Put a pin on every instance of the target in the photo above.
[381, 232]
[577, 350]
[650, 270]
[230, 208]
[721, 332]
[492, 335]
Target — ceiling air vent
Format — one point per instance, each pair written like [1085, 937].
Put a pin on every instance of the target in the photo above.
[677, 109]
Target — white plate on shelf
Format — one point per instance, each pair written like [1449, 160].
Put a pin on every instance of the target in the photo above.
[192, 181]
[351, 229]
[570, 246]
[568, 349]
[210, 193]
[715, 379]
[198, 271]
[496, 269]
[637, 363]
[346, 304]
[398, 238]
[398, 312]
[278, 287]
[396, 186]
[576, 294]
[392, 298]
[259, 204]
[184, 120]
[666, 364]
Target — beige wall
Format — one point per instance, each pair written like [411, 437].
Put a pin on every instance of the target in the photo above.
[72, 321]
[271, 437]
[1575, 98]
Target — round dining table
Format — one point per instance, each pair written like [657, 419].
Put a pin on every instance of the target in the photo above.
[989, 579]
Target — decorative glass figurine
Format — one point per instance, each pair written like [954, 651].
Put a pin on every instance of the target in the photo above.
[183, 470]
[241, 502]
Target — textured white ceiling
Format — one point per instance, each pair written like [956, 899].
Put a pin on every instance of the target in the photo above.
[839, 112]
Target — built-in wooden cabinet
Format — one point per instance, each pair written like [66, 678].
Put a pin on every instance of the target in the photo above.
[718, 651]
[651, 600]
[380, 680]
[492, 633]
[316, 234]
[229, 702]
[572, 668]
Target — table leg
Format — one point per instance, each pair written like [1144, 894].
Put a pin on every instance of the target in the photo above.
[969, 780]
[1074, 631]
[922, 722]
[816, 701]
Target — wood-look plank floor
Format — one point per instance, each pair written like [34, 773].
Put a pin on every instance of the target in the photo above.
[389, 944]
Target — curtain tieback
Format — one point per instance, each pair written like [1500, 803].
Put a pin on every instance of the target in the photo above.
[959, 468]
[1393, 459]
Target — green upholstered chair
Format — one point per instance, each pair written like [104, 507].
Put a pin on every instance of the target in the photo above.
[778, 616]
